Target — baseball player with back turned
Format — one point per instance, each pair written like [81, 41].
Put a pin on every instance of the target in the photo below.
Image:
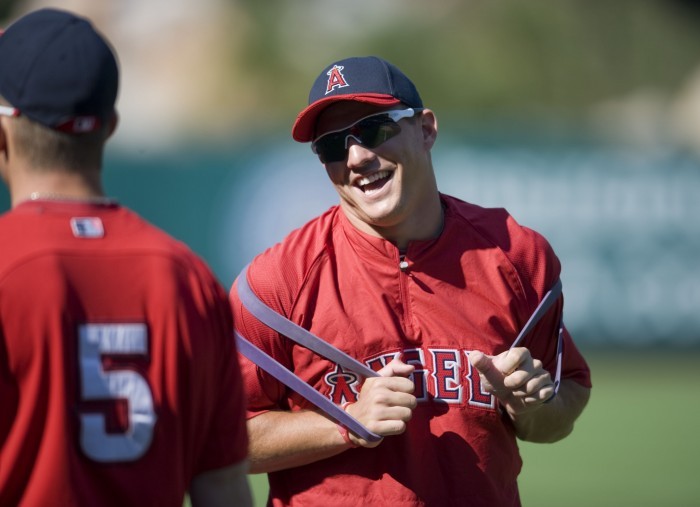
[426, 289]
[119, 379]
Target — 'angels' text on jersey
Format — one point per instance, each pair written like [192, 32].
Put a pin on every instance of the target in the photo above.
[441, 375]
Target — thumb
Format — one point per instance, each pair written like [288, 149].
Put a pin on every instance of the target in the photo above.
[491, 376]
[396, 368]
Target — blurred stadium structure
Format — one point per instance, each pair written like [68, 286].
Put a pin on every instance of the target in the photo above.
[581, 118]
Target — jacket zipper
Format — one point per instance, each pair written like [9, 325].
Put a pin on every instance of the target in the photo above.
[404, 296]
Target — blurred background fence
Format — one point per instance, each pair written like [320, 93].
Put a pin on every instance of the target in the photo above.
[625, 224]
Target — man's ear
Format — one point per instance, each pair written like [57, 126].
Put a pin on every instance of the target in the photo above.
[4, 152]
[112, 127]
[3, 138]
[429, 127]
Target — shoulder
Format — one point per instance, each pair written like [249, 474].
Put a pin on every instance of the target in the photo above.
[278, 274]
[528, 251]
[497, 226]
[138, 233]
[192, 268]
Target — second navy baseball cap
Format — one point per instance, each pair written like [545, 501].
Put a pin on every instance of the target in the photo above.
[58, 71]
[367, 79]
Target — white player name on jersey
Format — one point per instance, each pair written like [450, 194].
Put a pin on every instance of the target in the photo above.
[115, 338]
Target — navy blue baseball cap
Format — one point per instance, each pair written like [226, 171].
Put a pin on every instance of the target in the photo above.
[58, 71]
[367, 79]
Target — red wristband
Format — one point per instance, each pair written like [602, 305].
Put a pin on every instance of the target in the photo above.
[344, 431]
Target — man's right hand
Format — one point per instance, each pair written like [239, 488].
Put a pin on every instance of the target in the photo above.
[385, 403]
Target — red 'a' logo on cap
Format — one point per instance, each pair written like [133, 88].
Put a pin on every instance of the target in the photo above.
[335, 79]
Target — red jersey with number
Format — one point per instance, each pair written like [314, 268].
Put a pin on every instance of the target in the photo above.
[119, 379]
[472, 288]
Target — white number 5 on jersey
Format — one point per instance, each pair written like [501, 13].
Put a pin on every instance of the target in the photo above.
[96, 340]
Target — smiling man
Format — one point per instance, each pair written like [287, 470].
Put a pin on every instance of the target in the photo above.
[430, 292]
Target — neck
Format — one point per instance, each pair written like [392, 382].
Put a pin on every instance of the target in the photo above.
[424, 223]
[424, 227]
[51, 196]
[58, 186]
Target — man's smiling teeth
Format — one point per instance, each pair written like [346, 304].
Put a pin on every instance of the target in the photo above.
[372, 178]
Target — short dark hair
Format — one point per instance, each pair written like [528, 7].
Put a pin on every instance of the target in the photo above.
[45, 148]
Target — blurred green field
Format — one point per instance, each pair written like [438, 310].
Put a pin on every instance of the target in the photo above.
[634, 446]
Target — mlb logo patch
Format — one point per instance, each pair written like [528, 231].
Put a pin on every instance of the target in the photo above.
[87, 227]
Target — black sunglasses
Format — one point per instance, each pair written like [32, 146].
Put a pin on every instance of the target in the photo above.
[370, 131]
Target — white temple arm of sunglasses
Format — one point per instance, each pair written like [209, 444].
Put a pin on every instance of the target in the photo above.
[9, 111]
[397, 114]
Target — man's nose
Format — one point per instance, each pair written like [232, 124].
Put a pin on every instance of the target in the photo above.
[358, 155]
